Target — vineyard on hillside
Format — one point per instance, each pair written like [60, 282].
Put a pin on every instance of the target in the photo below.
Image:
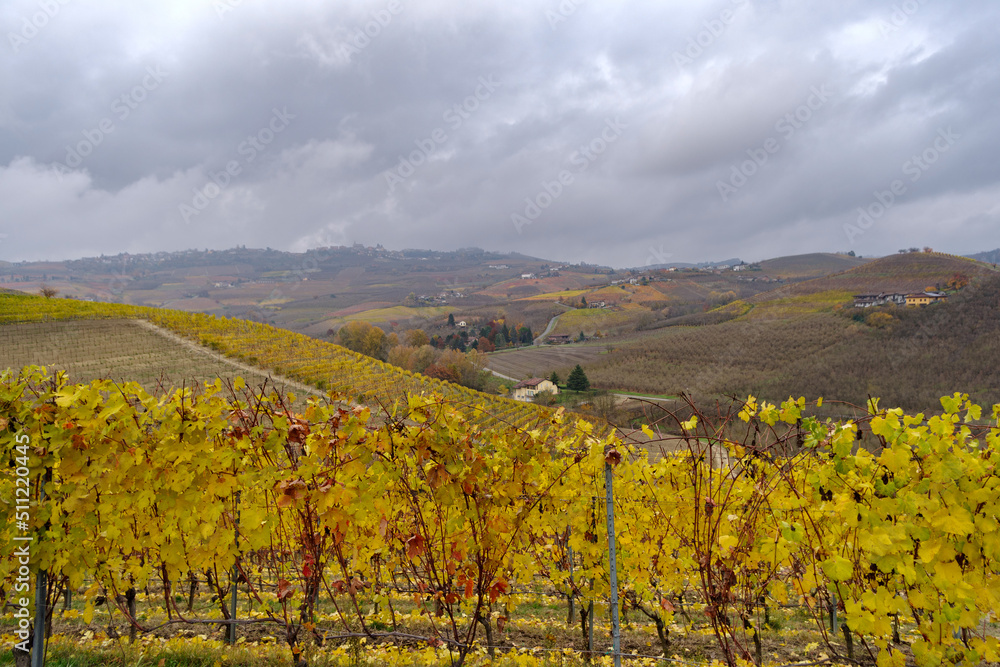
[324, 365]
[908, 272]
[117, 350]
[818, 344]
[336, 528]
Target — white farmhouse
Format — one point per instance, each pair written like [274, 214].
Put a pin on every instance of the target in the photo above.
[525, 390]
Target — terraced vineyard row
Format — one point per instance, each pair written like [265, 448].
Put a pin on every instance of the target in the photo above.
[118, 350]
[324, 365]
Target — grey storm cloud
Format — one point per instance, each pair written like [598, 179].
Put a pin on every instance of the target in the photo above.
[591, 130]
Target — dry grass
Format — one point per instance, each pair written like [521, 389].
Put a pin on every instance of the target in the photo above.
[537, 620]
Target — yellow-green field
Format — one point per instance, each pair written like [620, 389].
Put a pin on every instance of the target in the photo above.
[592, 320]
[393, 313]
[555, 296]
[802, 304]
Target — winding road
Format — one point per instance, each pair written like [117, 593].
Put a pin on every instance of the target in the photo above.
[552, 325]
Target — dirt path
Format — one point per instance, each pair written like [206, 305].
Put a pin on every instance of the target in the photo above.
[191, 345]
[655, 399]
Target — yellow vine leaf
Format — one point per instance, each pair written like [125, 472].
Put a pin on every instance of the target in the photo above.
[838, 568]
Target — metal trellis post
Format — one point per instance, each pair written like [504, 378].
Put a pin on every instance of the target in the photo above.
[613, 564]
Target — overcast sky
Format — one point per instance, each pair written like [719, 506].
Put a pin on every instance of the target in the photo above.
[621, 133]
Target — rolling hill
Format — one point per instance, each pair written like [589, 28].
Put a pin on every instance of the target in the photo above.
[807, 339]
[990, 256]
[322, 365]
[908, 272]
[810, 265]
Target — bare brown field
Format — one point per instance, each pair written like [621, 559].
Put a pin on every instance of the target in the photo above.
[541, 361]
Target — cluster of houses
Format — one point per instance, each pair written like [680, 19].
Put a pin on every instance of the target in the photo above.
[551, 273]
[526, 390]
[897, 299]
